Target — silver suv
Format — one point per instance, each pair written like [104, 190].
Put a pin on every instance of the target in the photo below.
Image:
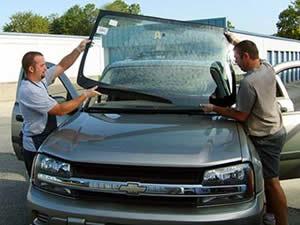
[144, 152]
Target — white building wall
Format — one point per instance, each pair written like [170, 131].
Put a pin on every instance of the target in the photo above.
[54, 47]
[269, 43]
[276, 50]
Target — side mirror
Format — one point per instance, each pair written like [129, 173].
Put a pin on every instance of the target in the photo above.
[222, 96]
[217, 71]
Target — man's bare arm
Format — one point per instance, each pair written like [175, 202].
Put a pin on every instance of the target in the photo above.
[231, 38]
[232, 113]
[226, 111]
[69, 106]
[69, 59]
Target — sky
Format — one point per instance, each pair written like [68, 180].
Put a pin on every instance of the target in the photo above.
[257, 16]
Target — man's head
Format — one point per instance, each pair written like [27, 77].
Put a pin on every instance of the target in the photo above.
[246, 55]
[34, 65]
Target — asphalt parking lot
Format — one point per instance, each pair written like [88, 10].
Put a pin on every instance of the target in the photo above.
[14, 181]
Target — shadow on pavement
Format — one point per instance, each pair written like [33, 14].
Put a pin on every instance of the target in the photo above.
[13, 190]
[294, 216]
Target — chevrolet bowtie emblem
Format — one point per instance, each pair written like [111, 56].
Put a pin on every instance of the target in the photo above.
[132, 188]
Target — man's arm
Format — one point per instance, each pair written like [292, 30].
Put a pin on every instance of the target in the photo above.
[69, 106]
[69, 59]
[226, 111]
[231, 38]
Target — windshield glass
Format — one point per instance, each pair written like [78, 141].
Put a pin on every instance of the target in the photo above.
[160, 57]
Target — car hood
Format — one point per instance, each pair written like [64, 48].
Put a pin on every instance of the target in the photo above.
[148, 140]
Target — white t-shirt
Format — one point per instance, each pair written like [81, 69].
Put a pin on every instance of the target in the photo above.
[35, 104]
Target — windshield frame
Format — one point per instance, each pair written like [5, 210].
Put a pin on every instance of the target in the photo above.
[86, 82]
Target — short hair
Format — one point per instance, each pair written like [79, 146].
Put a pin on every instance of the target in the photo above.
[28, 60]
[247, 46]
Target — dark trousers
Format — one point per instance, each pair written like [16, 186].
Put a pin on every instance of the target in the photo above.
[269, 149]
[28, 159]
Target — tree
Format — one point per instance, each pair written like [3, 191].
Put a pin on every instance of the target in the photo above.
[230, 25]
[80, 20]
[27, 22]
[121, 6]
[75, 21]
[289, 21]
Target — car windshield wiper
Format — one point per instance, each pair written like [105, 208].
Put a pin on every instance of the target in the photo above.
[104, 108]
[121, 91]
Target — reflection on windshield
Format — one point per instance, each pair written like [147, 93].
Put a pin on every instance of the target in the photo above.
[126, 93]
[163, 78]
[164, 58]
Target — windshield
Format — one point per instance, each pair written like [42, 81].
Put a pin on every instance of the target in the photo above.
[159, 57]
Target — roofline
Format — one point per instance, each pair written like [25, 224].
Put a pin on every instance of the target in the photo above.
[263, 35]
[82, 37]
[202, 20]
[42, 35]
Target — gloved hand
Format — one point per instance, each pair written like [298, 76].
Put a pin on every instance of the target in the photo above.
[231, 38]
[80, 48]
[91, 92]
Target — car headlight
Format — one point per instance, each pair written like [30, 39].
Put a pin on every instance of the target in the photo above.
[47, 170]
[231, 184]
[237, 174]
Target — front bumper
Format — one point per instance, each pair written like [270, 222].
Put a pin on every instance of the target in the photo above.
[48, 209]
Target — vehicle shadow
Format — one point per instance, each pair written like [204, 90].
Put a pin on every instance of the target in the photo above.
[10, 164]
[13, 190]
[294, 216]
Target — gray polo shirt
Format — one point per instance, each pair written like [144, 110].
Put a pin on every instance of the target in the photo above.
[257, 96]
[34, 104]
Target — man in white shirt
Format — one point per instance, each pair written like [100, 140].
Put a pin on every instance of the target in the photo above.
[39, 110]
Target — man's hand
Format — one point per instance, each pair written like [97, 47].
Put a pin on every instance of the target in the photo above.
[61, 109]
[225, 111]
[231, 38]
[91, 92]
[69, 59]
[207, 107]
[80, 48]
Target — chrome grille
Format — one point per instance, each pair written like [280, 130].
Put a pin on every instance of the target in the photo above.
[159, 175]
[41, 218]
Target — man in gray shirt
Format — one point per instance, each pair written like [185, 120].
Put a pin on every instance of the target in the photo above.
[39, 110]
[257, 109]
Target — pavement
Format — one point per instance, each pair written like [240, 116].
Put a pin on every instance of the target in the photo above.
[13, 178]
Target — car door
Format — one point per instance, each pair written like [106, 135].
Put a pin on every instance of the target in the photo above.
[288, 97]
[61, 90]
